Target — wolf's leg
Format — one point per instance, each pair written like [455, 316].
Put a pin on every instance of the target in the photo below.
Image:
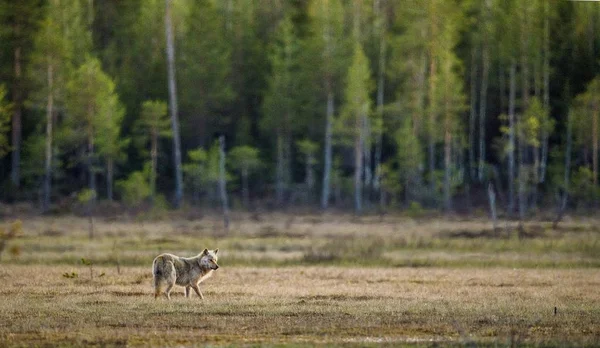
[168, 291]
[197, 290]
[171, 276]
[187, 291]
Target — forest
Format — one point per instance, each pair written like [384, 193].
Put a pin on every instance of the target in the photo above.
[356, 105]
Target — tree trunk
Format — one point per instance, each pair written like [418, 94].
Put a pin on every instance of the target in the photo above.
[492, 200]
[15, 175]
[447, 166]
[482, 108]
[563, 201]
[472, 113]
[432, 120]
[49, 124]
[525, 61]
[310, 178]
[366, 135]
[546, 97]
[327, 152]
[595, 141]
[245, 189]
[110, 164]
[173, 102]
[279, 175]
[222, 183]
[358, 162]
[153, 162]
[511, 137]
[380, 102]
[90, 156]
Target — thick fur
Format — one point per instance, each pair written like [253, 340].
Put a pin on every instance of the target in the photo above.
[170, 270]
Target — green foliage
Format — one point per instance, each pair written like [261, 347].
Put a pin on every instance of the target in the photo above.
[201, 172]
[244, 158]
[204, 63]
[135, 189]
[583, 189]
[308, 149]
[390, 179]
[410, 151]
[280, 102]
[357, 103]
[85, 196]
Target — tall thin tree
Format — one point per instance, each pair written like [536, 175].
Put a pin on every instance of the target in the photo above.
[173, 104]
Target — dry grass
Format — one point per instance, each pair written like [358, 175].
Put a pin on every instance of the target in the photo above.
[332, 280]
[278, 240]
[300, 305]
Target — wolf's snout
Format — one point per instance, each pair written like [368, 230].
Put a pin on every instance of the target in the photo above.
[216, 267]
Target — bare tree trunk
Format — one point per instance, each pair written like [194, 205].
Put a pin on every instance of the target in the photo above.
[546, 97]
[153, 163]
[279, 174]
[223, 183]
[492, 200]
[90, 162]
[563, 202]
[595, 141]
[473, 112]
[245, 189]
[358, 162]
[482, 108]
[91, 203]
[173, 102]
[15, 174]
[110, 164]
[327, 152]
[380, 101]
[525, 61]
[511, 137]
[447, 166]
[310, 177]
[49, 124]
[367, 156]
[432, 120]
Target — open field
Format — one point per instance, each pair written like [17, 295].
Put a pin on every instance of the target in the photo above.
[246, 305]
[303, 281]
[280, 240]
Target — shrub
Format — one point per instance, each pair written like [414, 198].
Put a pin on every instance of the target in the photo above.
[135, 189]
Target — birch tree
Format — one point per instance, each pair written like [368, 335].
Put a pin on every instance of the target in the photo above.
[49, 66]
[170, 51]
[355, 111]
[329, 45]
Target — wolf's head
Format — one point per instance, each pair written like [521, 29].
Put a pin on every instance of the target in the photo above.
[209, 258]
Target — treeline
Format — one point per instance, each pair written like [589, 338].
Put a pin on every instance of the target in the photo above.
[357, 104]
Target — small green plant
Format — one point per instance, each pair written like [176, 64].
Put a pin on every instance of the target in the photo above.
[71, 275]
[90, 264]
[15, 230]
[415, 210]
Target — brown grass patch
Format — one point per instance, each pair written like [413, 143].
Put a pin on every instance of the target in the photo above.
[314, 305]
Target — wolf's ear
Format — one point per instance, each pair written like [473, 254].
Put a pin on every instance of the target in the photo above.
[205, 252]
[216, 250]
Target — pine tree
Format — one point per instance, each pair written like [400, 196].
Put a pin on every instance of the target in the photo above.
[152, 125]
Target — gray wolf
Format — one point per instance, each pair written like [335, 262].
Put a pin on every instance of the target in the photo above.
[169, 269]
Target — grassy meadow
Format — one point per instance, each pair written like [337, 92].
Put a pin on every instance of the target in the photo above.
[304, 280]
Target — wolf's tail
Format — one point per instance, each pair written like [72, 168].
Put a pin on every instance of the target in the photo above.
[157, 269]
